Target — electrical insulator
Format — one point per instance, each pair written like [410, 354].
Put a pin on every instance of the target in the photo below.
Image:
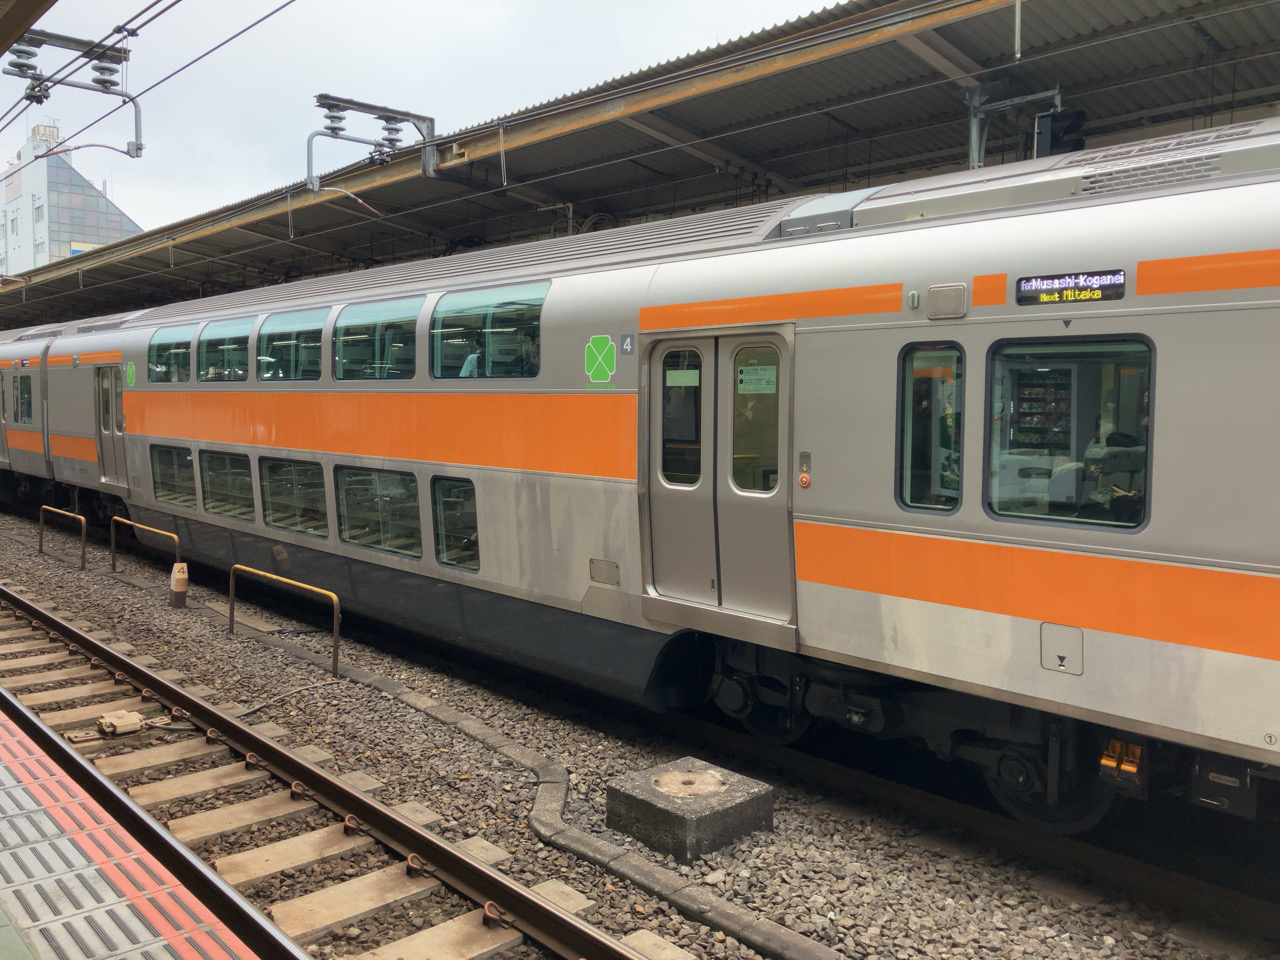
[21, 63]
[391, 133]
[336, 119]
[106, 76]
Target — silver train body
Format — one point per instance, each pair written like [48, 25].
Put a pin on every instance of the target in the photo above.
[982, 461]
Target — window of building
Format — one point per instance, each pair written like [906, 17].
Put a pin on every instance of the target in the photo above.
[227, 484]
[289, 345]
[224, 350]
[682, 417]
[930, 422]
[169, 354]
[39, 247]
[453, 504]
[173, 475]
[293, 496]
[13, 226]
[379, 509]
[377, 341]
[755, 418]
[22, 398]
[37, 213]
[488, 333]
[1070, 425]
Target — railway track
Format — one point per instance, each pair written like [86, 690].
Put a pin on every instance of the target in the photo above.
[232, 783]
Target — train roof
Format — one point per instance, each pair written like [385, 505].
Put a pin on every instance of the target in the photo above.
[1168, 164]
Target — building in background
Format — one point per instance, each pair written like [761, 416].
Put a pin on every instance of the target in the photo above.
[51, 212]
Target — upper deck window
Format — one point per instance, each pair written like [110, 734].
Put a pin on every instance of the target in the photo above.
[1069, 434]
[224, 350]
[169, 355]
[376, 341]
[488, 333]
[289, 345]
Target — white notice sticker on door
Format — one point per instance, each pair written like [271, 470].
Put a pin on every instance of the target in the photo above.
[757, 379]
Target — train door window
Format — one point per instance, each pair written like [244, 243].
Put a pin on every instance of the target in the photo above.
[169, 355]
[377, 341]
[223, 351]
[755, 418]
[22, 399]
[453, 503]
[173, 475]
[379, 509]
[682, 417]
[293, 496]
[105, 398]
[289, 345]
[1069, 431]
[929, 427]
[118, 380]
[488, 333]
[227, 484]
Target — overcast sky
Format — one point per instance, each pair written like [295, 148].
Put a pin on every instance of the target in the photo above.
[235, 125]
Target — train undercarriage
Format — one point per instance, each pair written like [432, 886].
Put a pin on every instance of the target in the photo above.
[1058, 774]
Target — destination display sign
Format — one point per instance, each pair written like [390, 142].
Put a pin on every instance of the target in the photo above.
[1081, 287]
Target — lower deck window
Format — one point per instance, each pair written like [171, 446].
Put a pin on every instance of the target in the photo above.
[1070, 422]
[379, 509]
[293, 496]
[453, 502]
[227, 484]
[173, 476]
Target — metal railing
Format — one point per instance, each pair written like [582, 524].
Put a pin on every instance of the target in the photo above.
[177, 555]
[74, 516]
[307, 588]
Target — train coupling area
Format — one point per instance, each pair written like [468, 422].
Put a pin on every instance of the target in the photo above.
[1122, 765]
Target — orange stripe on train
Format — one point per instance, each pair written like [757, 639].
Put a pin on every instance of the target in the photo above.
[31, 441]
[846, 301]
[74, 448]
[1194, 606]
[1221, 271]
[582, 434]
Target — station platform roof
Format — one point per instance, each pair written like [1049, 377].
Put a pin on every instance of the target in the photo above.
[862, 93]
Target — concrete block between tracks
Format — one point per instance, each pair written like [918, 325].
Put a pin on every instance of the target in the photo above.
[648, 875]
[547, 803]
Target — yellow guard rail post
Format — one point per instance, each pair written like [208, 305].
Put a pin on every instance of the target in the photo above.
[177, 554]
[63, 513]
[307, 588]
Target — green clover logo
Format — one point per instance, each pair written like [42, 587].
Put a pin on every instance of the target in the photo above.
[601, 359]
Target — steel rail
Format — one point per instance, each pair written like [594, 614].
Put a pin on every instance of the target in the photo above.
[529, 912]
[258, 933]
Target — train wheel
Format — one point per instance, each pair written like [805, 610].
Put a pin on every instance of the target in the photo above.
[774, 724]
[1083, 800]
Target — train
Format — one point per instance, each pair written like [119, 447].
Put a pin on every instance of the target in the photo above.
[979, 461]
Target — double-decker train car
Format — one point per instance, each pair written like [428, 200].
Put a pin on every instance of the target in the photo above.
[981, 461]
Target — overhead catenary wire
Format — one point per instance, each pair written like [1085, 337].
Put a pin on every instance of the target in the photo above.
[167, 77]
[81, 61]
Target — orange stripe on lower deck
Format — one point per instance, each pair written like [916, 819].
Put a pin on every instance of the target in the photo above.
[74, 448]
[30, 440]
[583, 434]
[1215, 609]
[846, 301]
[1220, 271]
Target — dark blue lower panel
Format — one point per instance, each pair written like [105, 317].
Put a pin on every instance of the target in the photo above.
[612, 658]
